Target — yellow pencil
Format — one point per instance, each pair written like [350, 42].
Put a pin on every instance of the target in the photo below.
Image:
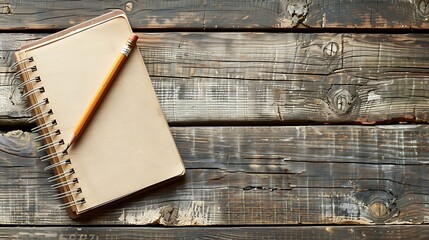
[77, 131]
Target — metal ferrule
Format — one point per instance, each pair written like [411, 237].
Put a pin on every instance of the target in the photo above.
[126, 50]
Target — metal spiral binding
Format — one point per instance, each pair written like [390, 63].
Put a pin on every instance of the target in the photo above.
[50, 133]
[66, 183]
[72, 203]
[22, 71]
[43, 126]
[28, 59]
[32, 91]
[53, 155]
[49, 145]
[35, 79]
[16, 75]
[40, 115]
[63, 162]
[61, 175]
[46, 135]
[39, 104]
[68, 193]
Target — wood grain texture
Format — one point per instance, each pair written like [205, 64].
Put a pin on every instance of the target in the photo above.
[11, 114]
[289, 77]
[214, 14]
[274, 77]
[251, 176]
[260, 233]
[265, 182]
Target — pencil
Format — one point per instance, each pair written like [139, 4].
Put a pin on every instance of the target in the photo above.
[126, 50]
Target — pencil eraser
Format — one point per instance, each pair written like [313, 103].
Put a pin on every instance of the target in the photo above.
[134, 37]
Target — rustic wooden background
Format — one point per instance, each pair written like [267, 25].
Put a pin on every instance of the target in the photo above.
[295, 119]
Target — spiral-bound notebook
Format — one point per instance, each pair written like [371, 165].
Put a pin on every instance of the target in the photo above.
[127, 145]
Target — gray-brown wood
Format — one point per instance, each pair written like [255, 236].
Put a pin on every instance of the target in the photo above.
[213, 14]
[272, 77]
[282, 233]
[265, 182]
[251, 176]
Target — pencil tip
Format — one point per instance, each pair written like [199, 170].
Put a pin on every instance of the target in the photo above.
[70, 142]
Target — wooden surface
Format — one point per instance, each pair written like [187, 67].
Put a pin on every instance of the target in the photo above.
[254, 176]
[295, 119]
[281, 78]
[215, 14]
[281, 233]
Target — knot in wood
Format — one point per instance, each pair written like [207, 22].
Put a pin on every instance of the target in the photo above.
[169, 214]
[129, 6]
[378, 206]
[378, 209]
[340, 100]
[298, 10]
[7, 10]
[423, 8]
[331, 49]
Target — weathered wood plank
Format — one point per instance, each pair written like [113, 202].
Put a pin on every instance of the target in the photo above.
[269, 77]
[282, 233]
[252, 176]
[214, 14]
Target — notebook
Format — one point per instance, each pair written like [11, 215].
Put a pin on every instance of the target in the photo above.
[127, 145]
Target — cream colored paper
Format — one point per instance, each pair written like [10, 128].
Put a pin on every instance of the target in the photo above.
[127, 146]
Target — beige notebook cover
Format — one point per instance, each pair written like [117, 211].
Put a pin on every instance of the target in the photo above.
[127, 145]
